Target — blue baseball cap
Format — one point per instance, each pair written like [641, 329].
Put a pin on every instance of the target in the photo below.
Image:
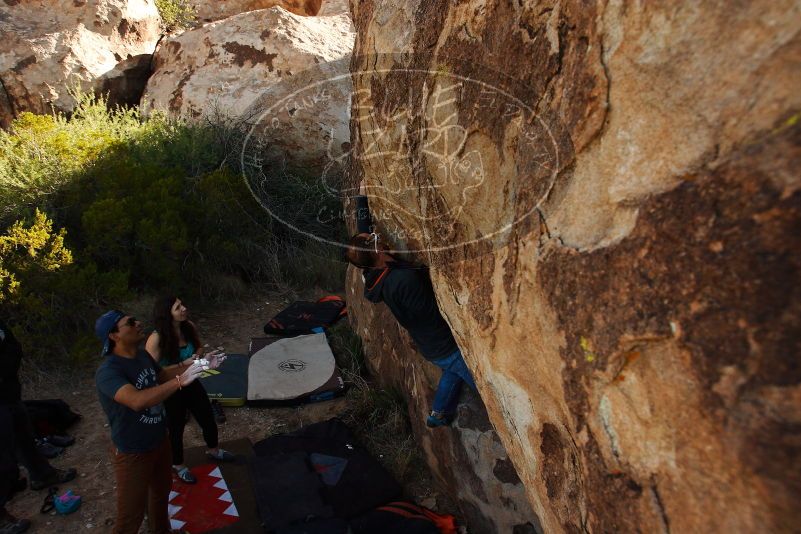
[104, 325]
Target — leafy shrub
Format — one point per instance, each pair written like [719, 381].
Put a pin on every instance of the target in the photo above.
[30, 252]
[43, 153]
[142, 205]
[40, 282]
[176, 14]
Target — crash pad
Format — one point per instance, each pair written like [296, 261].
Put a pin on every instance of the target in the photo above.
[292, 370]
[228, 384]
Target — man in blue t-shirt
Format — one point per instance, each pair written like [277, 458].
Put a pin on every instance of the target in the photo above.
[131, 388]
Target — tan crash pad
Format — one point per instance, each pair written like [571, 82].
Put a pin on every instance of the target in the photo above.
[290, 368]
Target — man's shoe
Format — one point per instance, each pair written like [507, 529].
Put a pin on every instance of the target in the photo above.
[48, 450]
[217, 410]
[60, 441]
[57, 476]
[437, 419]
[11, 525]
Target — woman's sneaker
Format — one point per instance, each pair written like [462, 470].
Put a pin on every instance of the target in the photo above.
[217, 410]
[437, 419]
[185, 475]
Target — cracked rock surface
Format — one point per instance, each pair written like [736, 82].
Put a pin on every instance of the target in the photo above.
[284, 73]
[609, 199]
[51, 46]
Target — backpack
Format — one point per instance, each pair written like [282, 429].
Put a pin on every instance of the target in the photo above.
[402, 517]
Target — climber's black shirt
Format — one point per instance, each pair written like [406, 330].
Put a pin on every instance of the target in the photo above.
[407, 291]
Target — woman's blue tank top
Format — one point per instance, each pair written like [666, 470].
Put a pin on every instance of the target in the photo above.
[186, 351]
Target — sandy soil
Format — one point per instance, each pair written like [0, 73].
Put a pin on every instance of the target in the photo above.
[231, 326]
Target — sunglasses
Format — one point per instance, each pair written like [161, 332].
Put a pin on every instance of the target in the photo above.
[130, 322]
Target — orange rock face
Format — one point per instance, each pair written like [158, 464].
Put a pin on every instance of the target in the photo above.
[608, 197]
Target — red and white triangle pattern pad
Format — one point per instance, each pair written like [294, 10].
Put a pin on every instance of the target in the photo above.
[204, 506]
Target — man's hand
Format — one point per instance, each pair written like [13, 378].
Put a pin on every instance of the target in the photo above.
[189, 376]
[362, 188]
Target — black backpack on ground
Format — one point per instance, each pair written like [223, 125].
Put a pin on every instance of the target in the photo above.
[300, 317]
[50, 416]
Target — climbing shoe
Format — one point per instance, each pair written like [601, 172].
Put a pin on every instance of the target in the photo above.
[437, 419]
[57, 476]
[59, 441]
[185, 475]
[48, 450]
[221, 455]
[11, 525]
[217, 410]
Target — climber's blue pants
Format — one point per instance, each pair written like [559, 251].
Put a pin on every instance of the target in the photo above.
[454, 374]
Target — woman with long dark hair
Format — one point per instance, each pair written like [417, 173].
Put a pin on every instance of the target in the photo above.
[175, 342]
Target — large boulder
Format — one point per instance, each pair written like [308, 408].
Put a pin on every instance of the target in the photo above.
[50, 47]
[247, 67]
[608, 196]
[468, 460]
[211, 10]
[334, 7]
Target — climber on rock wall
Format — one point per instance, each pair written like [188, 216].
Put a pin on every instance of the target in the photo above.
[407, 291]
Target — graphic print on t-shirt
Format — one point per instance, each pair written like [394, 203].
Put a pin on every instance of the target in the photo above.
[154, 414]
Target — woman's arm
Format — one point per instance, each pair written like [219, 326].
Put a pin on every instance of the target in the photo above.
[152, 347]
[200, 349]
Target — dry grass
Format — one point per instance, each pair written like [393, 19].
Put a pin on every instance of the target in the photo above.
[378, 417]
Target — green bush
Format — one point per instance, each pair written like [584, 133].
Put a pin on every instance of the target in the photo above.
[30, 252]
[137, 205]
[44, 290]
[44, 153]
[176, 14]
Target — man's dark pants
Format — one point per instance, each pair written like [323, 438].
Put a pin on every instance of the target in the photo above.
[25, 443]
[194, 399]
[144, 481]
[9, 473]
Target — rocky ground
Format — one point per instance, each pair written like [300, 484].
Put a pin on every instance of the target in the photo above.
[231, 326]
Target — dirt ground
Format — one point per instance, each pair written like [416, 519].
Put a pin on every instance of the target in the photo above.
[231, 326]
